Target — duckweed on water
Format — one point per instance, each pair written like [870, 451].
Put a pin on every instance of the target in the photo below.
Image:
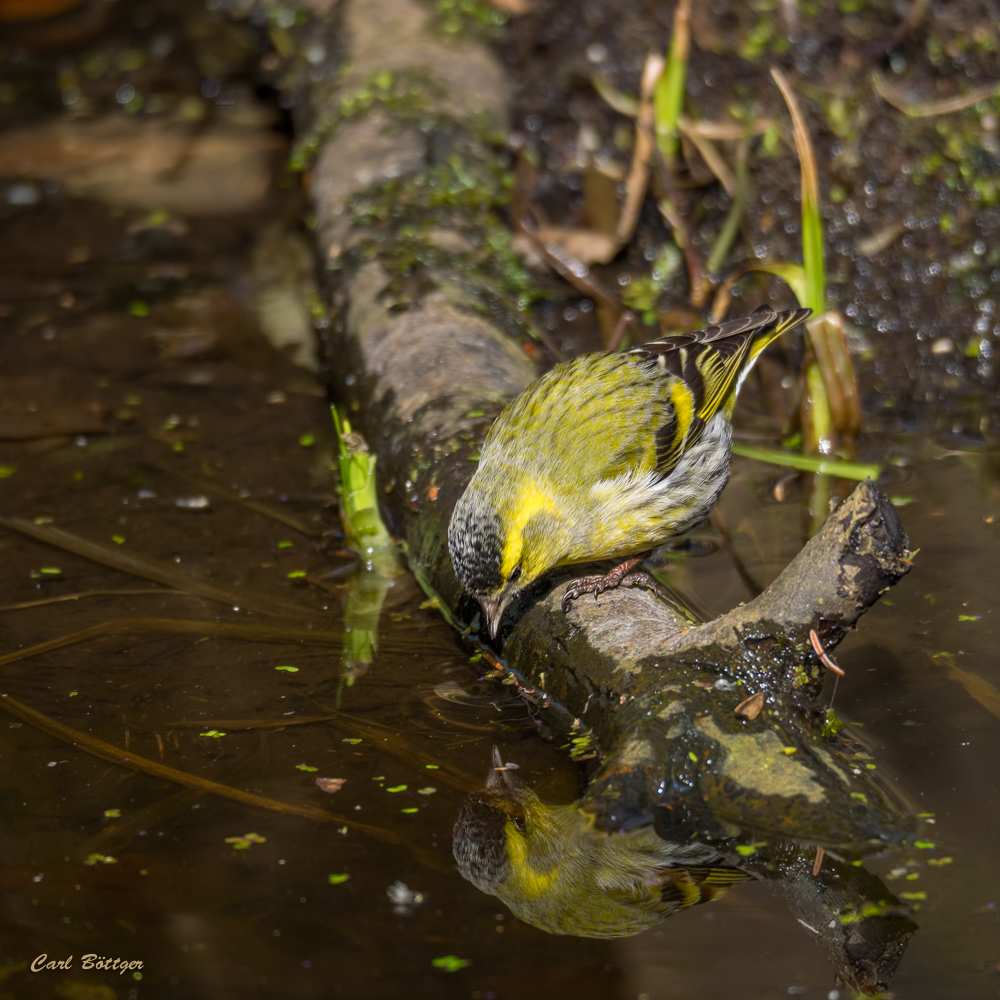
[450, 963]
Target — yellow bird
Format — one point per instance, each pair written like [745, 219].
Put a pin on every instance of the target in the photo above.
[606, 456]
[554, 871]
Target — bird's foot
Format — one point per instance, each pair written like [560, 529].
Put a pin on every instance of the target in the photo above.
[623, 575]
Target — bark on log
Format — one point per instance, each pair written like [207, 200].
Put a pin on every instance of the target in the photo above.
[417, 354]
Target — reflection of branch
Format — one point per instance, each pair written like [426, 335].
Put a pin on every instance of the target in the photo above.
[862, 928]
[734, 557]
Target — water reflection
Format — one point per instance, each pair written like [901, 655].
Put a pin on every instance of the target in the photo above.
[555, 871]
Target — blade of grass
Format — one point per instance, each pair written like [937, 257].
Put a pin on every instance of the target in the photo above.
[179, 626]
[817, 420]
[668, 206]
[715, 162]
[149, 568]
[369, 537]
[809, 463]
[734, 218]
[812, 226]
[838, 395]
[638, 174]
[109, 752]
[624, 104]
[668, 98]
[366, 531]
[62, 598]
[930, 109]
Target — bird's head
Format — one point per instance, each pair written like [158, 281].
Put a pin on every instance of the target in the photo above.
[508, 843]
[501, 540]
[556, 872]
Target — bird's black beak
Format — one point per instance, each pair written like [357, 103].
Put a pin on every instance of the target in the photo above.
[499, 778]
[493, 608]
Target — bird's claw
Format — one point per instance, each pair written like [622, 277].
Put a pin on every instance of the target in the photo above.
[597, 585]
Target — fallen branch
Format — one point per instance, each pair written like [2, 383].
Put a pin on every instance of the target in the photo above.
[424, 361]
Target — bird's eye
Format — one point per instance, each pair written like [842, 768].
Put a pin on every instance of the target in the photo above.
[515, 574]
[519, 824]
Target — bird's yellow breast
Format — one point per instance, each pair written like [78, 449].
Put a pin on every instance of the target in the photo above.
[529, 500]
[531, 882]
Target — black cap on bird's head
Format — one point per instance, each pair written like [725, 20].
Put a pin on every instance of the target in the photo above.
[478, 841]
[475, 541]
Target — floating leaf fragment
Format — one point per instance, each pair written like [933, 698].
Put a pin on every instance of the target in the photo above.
[305, 767]
[288, 669]
[751, 707]
[352, 740]
[112, 813]
[397, 788]
[969, 618]
[912, 896]
[100, 859]
[429, 790]
[451, 963]
[337, 879]
[410, 809]
[214, 733]
[246, 841]
[330, 785]
[925, 845]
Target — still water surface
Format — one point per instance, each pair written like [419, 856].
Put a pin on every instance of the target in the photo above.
[220, 899]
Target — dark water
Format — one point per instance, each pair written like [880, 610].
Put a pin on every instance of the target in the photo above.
[208, 918]
[142, 411]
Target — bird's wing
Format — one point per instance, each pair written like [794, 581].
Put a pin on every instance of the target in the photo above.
[702, 370]
[688, 885]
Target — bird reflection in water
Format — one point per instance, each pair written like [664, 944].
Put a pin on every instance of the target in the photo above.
[554, 870]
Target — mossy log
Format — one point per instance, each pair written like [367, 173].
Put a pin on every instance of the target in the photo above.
[425, 345]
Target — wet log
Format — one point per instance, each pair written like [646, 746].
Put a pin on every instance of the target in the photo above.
[709, 731]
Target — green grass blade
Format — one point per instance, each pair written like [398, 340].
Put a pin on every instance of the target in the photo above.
[809, 463]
